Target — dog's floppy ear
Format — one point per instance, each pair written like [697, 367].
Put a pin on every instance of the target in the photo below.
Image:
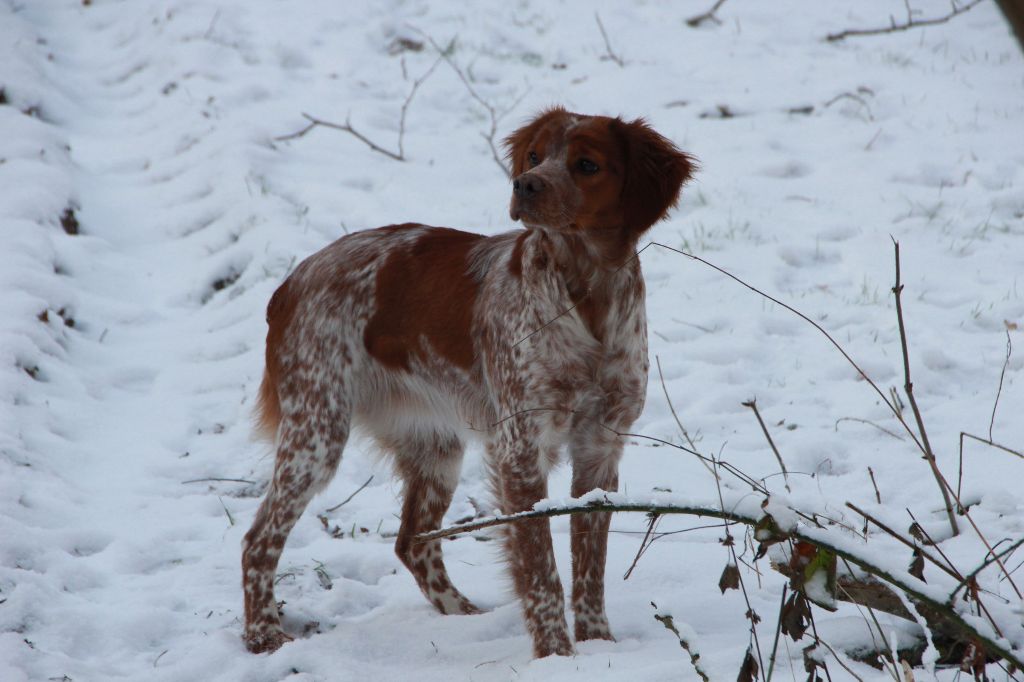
[517, 145]
[655, 172]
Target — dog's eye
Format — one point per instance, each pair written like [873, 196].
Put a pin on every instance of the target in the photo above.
[587, 167]
[533, 158]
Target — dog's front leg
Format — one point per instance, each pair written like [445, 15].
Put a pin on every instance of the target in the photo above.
[518, 463]
[595, 453]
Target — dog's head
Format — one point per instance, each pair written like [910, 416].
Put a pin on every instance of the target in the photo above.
[593, 174]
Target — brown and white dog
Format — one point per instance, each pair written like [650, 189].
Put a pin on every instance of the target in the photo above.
[535, 339]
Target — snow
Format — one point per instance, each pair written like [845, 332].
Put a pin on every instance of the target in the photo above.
[155, 123]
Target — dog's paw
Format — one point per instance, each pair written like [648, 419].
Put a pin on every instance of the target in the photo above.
[592, 628]
[265, 640]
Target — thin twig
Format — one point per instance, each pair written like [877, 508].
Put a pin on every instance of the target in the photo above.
[981, 536]
[840, 661]
[643, 547]
[977, 596]
[871, 613]
[731, 547]
[928, 538]
[752, 404]
[960, 466]
[814, 631]
[992, 444]
[679, 423]
[408, 100]
[231, 519]
[492, 111]
[869, 423]
[607, 44]
[349, 498]
[908, 388]
[951, 572]
[220, 480]
[346, 127]
[754, 484]
[888, 403]
[910, 23]
[878, 495]
[989, 560]
[778, 632]
[999, 391]
[698, 19]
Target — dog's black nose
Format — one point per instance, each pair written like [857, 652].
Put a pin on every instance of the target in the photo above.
[527, 186]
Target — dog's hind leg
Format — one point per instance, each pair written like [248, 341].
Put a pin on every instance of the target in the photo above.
[311, 439]
[429, 466]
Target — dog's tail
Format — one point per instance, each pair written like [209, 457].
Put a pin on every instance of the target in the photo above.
[280, 311]
[268, 409]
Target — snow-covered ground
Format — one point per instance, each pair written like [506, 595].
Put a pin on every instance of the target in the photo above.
[130, 352]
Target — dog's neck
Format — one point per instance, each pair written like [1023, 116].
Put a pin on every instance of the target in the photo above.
[595, 276]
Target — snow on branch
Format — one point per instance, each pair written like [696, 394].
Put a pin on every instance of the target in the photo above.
[770, 527]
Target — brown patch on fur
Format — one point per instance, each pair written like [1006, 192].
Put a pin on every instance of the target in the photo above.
[438, 309]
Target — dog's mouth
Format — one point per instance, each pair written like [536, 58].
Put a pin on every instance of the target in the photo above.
[533, 216]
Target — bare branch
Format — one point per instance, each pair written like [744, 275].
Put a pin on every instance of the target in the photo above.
[349, 498]
[908, 388]
[869, 423]
[644, 544]
[910, 23]
[220, 480]
[885, 399]
[345, 127]
[991, 443]
[698, 19]
[610, 53]
[679, 423]
[999, 391]
[960, 466]
[408, 100]
[492, 111]
[991, 559]
[878, 495]
[752, 404]
[948, 570]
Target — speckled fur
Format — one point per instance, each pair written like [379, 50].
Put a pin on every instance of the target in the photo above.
[551, 352]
